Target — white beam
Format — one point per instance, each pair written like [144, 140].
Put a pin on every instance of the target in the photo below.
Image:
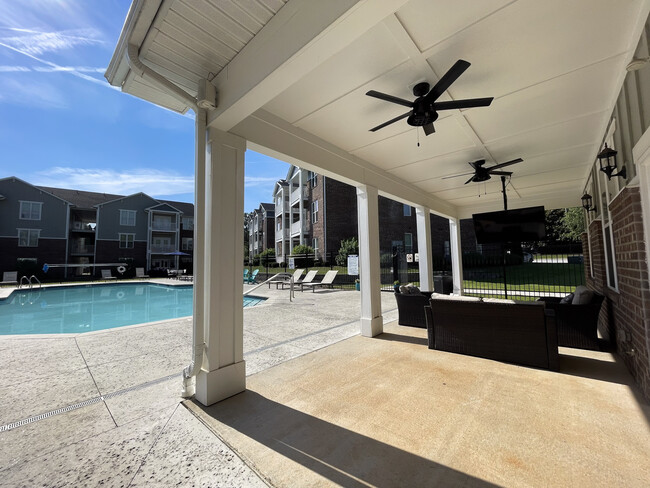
[224, 371]
[270, 135]
[456, 255]
[372, 322]
[423, 221]
[299, 38]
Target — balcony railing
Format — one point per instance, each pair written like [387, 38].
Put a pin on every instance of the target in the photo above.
[297, 194]
[165, 226]
[296, 228]
[161, 249]
[82, 226]
[80, 249]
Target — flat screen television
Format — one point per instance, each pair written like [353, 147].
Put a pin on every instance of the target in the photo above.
[518, 225]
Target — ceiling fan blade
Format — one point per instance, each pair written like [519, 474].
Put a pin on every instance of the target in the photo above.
[429, 129]
[500, 173]
[399, 117]
[508, 163]
[470, 180]
[447, 79]
[389, 98]
[477, 164]
[456, 176]
[467, 103]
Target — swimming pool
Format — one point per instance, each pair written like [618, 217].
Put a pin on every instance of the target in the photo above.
[85, 308]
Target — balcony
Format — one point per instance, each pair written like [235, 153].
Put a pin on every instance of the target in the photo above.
[164, 226]
[296, 227]
[161, 249]
[279, 235]
[82, 226]
[79, 249]
[297, 194]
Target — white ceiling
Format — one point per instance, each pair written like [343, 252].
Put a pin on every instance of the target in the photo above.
[554, 67]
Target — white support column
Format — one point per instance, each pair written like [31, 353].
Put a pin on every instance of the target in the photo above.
[423, 221]
[224, 371]
[456, 255]
[301, 208]
[372, 322]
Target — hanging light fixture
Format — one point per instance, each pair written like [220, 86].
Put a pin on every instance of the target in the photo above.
[587, 203]
[607, 159]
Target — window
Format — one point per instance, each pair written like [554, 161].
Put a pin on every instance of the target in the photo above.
[28, 237]
[127, 217]
[126, 241]
[314, 243]
[408, 243]
[407, 210]
[30, 210]
[314, 212]
[188, 223]
[187, 244]
[312, 178]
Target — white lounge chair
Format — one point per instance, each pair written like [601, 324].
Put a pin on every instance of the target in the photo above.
[9, 278]
[139, 273]
[285, 278]
[328, 280]
[106, 275]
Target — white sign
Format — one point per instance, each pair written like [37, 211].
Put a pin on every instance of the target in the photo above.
[353, 264]
[409, 258]
[292, 263]
[417, 257]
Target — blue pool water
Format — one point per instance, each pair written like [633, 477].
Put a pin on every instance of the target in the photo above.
[85, 308]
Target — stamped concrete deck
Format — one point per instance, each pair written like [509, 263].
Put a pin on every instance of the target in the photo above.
[324, 407]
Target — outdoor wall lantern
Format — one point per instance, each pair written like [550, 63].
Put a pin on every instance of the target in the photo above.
[607, 158]
[587, 203]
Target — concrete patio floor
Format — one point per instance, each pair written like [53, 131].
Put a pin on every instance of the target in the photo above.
[324, 407]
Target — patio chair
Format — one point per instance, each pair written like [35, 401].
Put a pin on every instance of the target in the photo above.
[285, 278]
[9, 278]
[106, 275]
[251, 279]
[328, 280]
[246, 271]
[139, 273]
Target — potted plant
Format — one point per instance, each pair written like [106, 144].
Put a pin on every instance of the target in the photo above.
[357, 284]
[396, 286]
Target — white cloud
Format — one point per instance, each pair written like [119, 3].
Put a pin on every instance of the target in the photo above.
[32, 93]
[13, 69]
[251, 181]
[37, 43]
[150, 181]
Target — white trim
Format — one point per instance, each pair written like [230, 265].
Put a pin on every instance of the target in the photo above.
[130, 212]
[641, 156]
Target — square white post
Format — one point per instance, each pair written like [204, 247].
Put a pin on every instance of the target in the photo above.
[372, 322]
[423, 222]
[456, 255]
[224, 372]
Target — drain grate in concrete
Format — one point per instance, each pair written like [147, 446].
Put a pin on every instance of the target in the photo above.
[85, 403]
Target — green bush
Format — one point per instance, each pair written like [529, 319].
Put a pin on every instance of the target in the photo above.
[348, 246]
[302, 249]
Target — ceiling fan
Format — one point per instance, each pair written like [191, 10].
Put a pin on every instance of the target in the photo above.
[425, 108]
[481, 173]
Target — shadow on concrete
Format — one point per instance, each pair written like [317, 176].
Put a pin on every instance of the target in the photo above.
[339, 455]
[387, 336]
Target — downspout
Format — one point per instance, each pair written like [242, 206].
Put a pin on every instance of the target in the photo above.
[198, 333]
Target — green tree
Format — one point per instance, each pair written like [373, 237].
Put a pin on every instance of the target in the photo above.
[302, 249]
[348, 246]
[572, 224]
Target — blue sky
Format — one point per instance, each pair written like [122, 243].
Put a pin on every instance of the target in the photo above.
[63, 125]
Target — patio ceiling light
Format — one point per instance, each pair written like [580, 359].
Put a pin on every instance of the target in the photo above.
[607, 159]
[587, 203]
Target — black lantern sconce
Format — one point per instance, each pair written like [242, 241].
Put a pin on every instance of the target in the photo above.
[607, 159]
[587, 203]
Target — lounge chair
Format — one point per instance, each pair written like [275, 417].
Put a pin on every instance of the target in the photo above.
[328, 280]
[106, 275]
[9, 278]
[309, 278]
[246, 271]
[251, 279]
[139, 273]
[285, 278]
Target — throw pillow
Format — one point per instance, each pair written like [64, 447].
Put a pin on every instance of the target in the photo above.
[582, 296]
[568, 298]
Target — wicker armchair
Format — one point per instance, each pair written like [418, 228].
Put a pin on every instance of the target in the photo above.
[577, 325]
[410, 308]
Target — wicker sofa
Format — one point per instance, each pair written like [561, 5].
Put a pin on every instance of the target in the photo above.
[515, 332]
[577, 323]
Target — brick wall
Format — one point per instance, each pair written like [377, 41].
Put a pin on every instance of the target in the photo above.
[627, 310]
[51, 251]
[110, 252]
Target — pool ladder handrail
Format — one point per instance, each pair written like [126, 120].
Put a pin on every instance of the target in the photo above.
[29, 281]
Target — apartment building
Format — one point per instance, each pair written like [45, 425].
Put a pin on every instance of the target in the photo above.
[78, 232]
[261, 233]
[320, 212]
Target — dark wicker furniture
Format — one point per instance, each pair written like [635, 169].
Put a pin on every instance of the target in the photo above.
[577, 325]
[520, 333]
[410, 308]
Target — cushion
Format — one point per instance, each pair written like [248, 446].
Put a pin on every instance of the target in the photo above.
[409, 289]
[568, 298]
[499, 300]
[582, 296]
[457, 298]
